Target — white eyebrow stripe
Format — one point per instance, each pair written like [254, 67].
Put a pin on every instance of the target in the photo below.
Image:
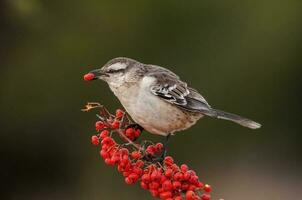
[117, 66]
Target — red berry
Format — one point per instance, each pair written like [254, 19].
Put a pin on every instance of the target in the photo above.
[184, 168]
[137, 133]
[126, 174]
[95, 140]
[104, 134]
[131, 138]
[144, 186]
[178, 176]
[128, 181]
[194, 179]
[205, 197]
[153, 175]
[154, 193]
[154, 185]
[207, 188]
[167, 185]
[160, 190]
[178, 198]
[146, 178]
[99, 125]
[165, 195]
[140, 163]
[115, 158]
[115, 124]
[109, 162]
[192, 172]
[190, 195]
[134, 177]
[108, 141]
[174, 167]
[185, 186]
[136, 154]
[200, 185]
[124, 151]
[163, 179]
[187, 176]
[159, 146]
[120, 168]
[176, 185]
[119, 113]
[168, 160]
[129, 132]
[125, 158]
[137, 171]
[150, 150]
[104, 154]
[192, 187]
[168, 173]
[89, 77]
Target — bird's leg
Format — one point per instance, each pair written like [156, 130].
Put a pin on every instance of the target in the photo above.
[164, 153]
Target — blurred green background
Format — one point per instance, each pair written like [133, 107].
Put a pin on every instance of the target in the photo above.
[243, 56]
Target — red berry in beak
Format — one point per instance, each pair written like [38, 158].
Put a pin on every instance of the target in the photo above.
[89, 77]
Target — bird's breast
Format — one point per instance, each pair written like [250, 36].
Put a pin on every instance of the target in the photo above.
[152, 113]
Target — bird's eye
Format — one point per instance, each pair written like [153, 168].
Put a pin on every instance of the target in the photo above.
[116, 67]
[111, 71]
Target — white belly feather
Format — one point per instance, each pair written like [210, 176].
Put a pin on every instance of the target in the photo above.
[152, 113]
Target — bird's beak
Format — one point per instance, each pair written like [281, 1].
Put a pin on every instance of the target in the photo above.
[98, 74]
[95, 74]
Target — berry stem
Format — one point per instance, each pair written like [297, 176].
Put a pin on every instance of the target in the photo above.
[120, 132]
[91, 105]
[146, 162]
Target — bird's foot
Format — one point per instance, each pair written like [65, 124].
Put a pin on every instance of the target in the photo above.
[161, 157]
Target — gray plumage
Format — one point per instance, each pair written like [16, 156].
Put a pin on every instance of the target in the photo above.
[172, 89]
[135, 83]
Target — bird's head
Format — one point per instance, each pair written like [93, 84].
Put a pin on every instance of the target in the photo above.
[118, 71]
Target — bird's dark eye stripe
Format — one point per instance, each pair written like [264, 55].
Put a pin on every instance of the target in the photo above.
[115, 71]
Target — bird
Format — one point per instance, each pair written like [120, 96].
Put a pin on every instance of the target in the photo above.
[157, 99]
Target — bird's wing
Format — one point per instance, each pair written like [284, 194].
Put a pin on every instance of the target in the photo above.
[170, 88]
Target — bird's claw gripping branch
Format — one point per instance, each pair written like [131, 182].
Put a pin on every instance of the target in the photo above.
[138, 162]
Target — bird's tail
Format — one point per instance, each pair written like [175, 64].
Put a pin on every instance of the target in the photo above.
[231, 117]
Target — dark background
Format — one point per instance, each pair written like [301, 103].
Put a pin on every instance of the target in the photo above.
[243, 56]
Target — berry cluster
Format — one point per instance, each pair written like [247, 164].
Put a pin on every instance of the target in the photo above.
[142, 162]
[169, 181]
[115, 122]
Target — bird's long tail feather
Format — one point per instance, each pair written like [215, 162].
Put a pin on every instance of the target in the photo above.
[219, 114]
